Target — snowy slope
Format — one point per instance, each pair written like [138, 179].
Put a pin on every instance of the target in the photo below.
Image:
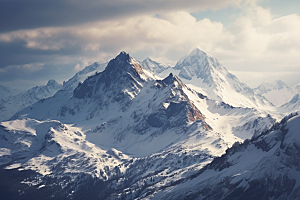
[68, 167]
[56, 156]
[276, 92]
[292, 106]
[44, 145]
[12, 104]
[266, 167]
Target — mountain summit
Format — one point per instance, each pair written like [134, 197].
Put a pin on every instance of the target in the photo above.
[205, 72]
[124, 63]
[200, 64]
[55, 85]
[123, 75]
[266, 87]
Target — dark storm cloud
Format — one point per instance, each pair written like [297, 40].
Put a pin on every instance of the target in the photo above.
[16, 53]
[28, 14]
[22, 67]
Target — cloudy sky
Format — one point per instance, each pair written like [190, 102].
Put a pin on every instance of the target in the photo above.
[257, 40]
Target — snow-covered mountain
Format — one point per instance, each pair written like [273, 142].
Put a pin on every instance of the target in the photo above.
[205, 74]
[291, 106]
[122, 133]
[127, 98]
[281, 95]
[80, 76]
[266, 167]
[126, 107]
[12, 104]
[276, 92]
[266, 87]
[153, 66]
[6, 92]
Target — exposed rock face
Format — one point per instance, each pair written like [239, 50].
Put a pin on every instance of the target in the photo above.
[122, 73]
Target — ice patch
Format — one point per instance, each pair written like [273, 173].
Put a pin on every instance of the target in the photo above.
[13, 166]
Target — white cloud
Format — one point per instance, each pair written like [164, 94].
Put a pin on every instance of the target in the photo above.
[257, 41]
[27, 68]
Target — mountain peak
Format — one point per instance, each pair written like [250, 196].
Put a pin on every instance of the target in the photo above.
[55, 85]
[169, 79]
[198, 59]
[275, 82]
[148, 59]
[123, 56]
[206, 72]
[199, 64]
[268, 86]
[52, 82]
[123, 73]
[198, 51]
[124, 63]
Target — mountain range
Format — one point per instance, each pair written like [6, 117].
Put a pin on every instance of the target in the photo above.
[277, 92]
[7, 91]
[13, 103]
[120, 130]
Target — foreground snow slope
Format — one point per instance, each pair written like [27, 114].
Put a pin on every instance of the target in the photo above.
[267, 167]
[53, 160]
[48, 154]
[50, 147]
